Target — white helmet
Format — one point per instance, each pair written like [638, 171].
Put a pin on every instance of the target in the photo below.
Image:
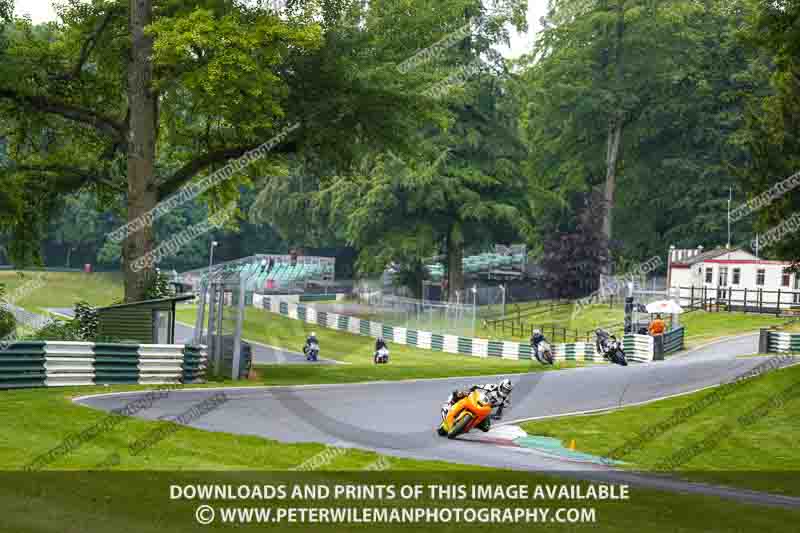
[313, 333]
[506, 386]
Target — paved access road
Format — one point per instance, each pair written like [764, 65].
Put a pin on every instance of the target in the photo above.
[398, 418]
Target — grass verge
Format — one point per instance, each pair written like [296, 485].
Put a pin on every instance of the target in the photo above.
[714, 444]
[34, 421]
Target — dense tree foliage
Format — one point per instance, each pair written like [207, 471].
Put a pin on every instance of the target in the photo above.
[620, 134]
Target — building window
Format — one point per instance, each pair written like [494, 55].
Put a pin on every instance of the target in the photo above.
[760, 275]
[723, 276]
[737, 276]
[709, 274]
[786, 281]
[797, 289]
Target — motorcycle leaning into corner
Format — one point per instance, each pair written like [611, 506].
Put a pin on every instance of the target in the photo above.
[468, 409]
[382, 356]
[312, 351]
[543, 353]
[466, 414]
[610, 347]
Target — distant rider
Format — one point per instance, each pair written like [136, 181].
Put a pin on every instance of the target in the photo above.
[603, 341]
[536, 339]
[312, 339]
[499, 395]
[380, 343]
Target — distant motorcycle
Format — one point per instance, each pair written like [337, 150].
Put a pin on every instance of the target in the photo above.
[544, 354]
[382, 356]
[611, 348]
[312, 352]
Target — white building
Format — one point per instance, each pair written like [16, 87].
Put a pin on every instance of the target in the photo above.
[733, 278]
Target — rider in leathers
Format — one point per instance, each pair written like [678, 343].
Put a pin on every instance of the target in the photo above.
[499, 395]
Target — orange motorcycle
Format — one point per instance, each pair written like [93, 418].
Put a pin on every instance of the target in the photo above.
[466, 414]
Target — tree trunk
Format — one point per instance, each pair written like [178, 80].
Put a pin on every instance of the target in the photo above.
[615, 130]
[455, 267]
[142, 196]
[612, 161]
[69, 254]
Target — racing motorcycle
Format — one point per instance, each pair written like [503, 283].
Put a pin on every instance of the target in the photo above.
[382, 356]
[465, 414]
[611, 348]
[312, 352]
[544, 354]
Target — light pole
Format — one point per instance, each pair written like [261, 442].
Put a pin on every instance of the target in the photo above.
[503, 288]
[213, 245]
[474, 306]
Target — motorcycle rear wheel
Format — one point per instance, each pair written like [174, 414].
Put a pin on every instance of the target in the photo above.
[460, 426]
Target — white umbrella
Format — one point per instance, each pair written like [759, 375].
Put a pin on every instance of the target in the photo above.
[667, 307]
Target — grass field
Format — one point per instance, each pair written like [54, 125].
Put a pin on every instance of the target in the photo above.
[35, 421]
[702, 326]
[36, 291]
[768, 445]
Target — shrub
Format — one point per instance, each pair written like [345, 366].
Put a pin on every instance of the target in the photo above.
[58, 330]
[8, 324]
[86, 318]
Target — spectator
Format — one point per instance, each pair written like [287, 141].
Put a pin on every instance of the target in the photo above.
[657, 326]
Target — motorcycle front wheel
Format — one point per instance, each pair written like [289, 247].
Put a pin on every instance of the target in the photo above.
[460, 426]
[620, 359]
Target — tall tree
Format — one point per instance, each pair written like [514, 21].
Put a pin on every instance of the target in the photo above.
[141, 141]
[452, 184]
[772, 134]
[141, 98]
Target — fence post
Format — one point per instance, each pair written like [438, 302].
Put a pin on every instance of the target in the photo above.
[763, 341]
[745, 299]
[760, 301]
[730, 297]
[779, 302]
[691, 303]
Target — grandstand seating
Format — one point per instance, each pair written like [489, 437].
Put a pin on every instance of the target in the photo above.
[482, 263]
[282, 274]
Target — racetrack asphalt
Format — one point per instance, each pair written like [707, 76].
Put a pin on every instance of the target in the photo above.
[398, 418]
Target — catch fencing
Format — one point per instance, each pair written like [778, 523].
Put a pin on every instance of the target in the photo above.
[641, 345]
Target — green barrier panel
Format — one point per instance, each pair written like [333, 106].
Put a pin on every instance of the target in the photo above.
[411, 337]
[495, 349]
[22, 365]
[322, 318]
[194, 364]
[437, 342]
[525, 351]
[283, 308]
[343, 323]
[465, 345]
[301, 313]
[364, 327]
[116, 363]
[388, 333]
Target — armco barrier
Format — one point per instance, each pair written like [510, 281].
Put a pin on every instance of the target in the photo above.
[669, 342]
[27, 364]
[780, 341]
[638, 348]
[22, 365]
